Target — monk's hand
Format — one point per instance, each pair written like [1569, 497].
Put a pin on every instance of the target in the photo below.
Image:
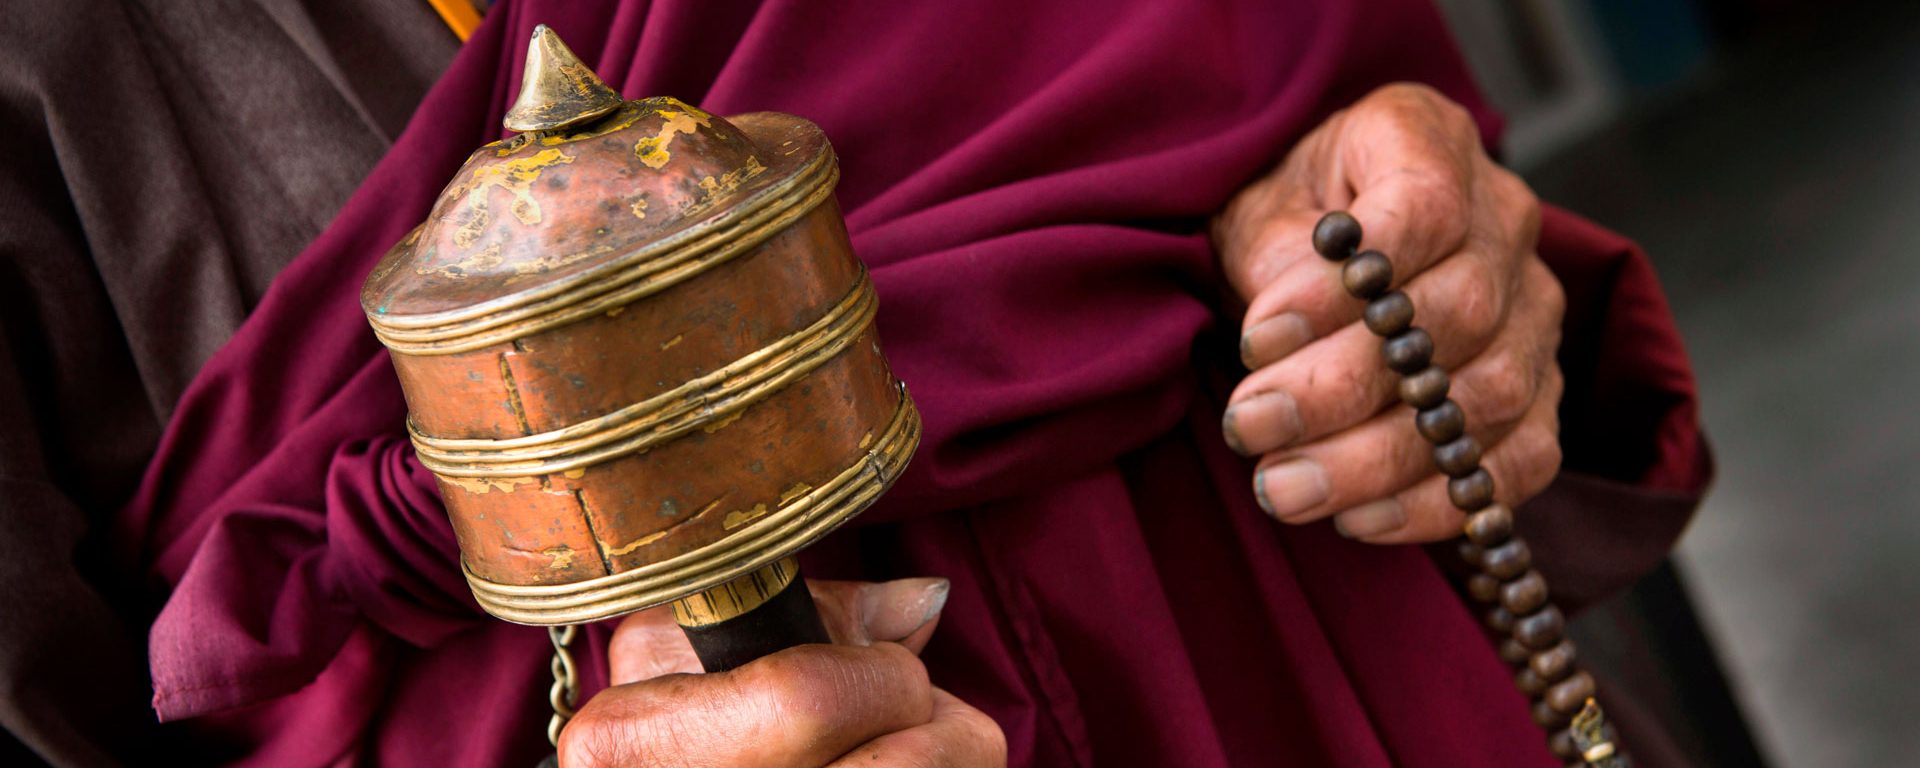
[864, 701]
[1320, 407]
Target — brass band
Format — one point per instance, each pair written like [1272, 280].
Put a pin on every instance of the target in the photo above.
[780, 533]
[734, 598]
[703, 401]
[657, 266]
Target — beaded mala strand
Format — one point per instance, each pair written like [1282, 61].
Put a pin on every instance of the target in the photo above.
[1529, 629]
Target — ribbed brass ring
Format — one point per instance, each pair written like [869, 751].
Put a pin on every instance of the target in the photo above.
[782, 532]
[700, 402]
[654, 268]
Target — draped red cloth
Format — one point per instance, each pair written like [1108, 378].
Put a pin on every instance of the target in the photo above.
[1029, 182]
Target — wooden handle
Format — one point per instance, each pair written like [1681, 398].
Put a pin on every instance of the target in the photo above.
[763, 612]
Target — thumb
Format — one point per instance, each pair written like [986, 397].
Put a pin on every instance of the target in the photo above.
[902, 611]
[648, 644]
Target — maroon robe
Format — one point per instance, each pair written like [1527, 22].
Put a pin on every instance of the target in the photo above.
[1029, 182]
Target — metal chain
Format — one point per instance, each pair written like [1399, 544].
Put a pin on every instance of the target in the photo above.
[566, 682]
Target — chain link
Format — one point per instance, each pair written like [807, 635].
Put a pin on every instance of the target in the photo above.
[566, 682]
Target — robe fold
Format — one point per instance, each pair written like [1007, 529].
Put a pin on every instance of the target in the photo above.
[1029, 183]
[163, 161]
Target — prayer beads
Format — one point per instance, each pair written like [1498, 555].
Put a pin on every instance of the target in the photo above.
[1530, 630]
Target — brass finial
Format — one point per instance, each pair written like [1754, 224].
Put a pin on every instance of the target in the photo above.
[557, 90]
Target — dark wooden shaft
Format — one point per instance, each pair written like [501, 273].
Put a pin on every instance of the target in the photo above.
[760, 613]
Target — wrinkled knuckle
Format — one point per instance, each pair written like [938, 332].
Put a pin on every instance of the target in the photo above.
[1477, 304]
[1505, 389]
[791, 688]
[1538, 456]
[594, 738]
[582, 741]
[1458, 119]
[1555, 386]
[1449, 213]
[1405, 92]
[1551, 457]
[1431, 103]
[1520, 208]
[991, 741]
[1552, 296]
[1400, 105]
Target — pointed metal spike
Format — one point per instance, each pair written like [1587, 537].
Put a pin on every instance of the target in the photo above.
[557, 89]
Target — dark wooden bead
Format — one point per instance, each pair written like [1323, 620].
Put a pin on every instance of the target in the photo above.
[1506, 561]
[1442, 423]
[1546, 718]
[1563, 746]
[1513, 652]
[1554, 663]
[1425, 389]
[1408, 352]
[1570, 695]
[1524, 595]
[1389, 314]
[1367, 275]
[1471, 553]
[1472, 492]
[1529, 683]
[1458, 458]
[1500, 622]
[1542, 630]
[1490, 527]
[1336, 235]
[1483, 588]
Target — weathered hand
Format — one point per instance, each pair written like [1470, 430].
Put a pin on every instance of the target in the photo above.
[1320, 407]
[864, 701]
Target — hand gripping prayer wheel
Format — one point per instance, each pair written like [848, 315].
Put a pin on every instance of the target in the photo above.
[640, 357]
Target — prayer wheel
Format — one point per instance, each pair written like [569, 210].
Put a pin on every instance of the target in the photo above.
[640, 356]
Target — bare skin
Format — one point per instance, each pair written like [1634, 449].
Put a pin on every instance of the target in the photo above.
[1319, 407]
[865, 700]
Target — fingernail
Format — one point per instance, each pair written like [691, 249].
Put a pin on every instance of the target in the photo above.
[1261, 423]
[894, 609]
[1370, 519]
[1274, 338]
[1286, 490]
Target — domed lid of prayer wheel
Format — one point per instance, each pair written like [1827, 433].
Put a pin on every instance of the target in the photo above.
[594, 200]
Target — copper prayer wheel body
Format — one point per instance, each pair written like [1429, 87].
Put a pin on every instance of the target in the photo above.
[638, 351]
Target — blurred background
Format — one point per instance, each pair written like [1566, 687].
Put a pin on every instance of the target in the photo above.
[1767, 155]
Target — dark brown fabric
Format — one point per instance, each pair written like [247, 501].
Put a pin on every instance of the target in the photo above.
[163, 160]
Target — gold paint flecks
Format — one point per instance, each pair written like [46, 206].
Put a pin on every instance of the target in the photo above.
[740, 517]
[484, 484]
[516, 176]
[652, 150]
[637, 543]
[731, 180]
[661, 534]
[562, 558]
[798, 490]
[668, 344]
[724, 422]
[639, 208]
[487, 258]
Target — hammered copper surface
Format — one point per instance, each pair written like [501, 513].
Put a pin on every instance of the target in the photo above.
[637, 337]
